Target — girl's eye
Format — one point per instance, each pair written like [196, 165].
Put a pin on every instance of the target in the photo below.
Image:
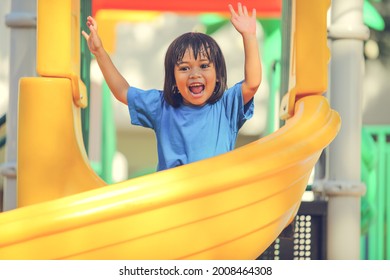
[205, 65]
[183, 68]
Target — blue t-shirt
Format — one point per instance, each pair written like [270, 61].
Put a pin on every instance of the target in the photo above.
[189, 133]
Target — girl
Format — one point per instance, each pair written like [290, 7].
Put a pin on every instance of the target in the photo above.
[196, 116]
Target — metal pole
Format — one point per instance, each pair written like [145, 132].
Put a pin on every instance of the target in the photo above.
[22, 21]
[343, 187]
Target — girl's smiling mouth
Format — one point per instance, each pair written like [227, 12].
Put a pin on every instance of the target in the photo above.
[196, 88]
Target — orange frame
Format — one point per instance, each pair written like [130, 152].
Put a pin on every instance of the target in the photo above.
[269, 8]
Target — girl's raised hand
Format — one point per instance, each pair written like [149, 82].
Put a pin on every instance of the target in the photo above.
[93, 40]
[241, 20]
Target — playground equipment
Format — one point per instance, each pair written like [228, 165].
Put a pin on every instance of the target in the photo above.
[228, 207]
[376, 174]
[342, 185]
[187, 212]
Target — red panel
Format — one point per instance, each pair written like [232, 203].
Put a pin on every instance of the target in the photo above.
[265, 8]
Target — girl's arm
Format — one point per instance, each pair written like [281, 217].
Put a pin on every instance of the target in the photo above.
[246, 26]
[115, 81]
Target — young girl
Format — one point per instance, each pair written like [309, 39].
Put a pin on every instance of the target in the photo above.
[196, 116]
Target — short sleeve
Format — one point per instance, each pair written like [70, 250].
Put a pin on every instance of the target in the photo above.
[144, 106]
[236, 111]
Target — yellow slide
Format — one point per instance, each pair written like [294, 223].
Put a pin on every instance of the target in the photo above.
[232, 206]
[229, 207]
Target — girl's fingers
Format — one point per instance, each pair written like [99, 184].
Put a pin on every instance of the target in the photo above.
[86, 36]
[91, 22]
[91, 28]
[94, 23]
[232, 11]
[245, 10]
[239, 8]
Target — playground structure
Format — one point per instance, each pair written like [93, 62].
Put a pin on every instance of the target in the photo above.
[78, 216]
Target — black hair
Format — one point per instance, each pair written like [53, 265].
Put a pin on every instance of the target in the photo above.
[197, 42]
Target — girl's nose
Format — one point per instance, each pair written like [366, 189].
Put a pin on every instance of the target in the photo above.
[195, 73]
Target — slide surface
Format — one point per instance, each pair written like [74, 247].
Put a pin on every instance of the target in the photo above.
[232, 206]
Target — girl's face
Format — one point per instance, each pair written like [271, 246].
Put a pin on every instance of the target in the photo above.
[195, 79]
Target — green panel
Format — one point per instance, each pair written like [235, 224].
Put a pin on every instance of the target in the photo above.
[286, 42]
[85, 10]
[372, 18]
[212, 22]
[377, 241]
[108, 148]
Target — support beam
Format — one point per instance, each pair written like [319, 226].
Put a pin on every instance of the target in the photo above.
[343, 186]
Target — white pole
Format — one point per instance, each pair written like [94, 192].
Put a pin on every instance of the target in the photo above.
[22, 21]
[344, 188]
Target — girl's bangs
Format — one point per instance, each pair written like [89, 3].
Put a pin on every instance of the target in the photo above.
[197, 44]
